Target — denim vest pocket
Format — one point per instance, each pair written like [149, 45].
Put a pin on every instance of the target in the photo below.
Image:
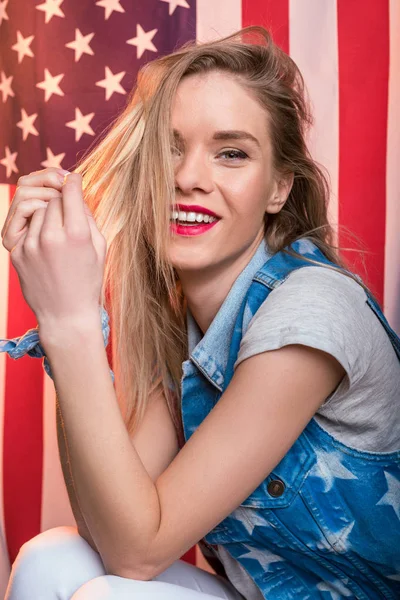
[291, 472]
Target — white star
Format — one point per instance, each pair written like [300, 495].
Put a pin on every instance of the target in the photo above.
[249, 522]
[392, 496]
[9, 162]
[332, 468]
[81, 44]
[52, 160]
[5, 86]
[174, 3]
[111, 83]
[142, 41]
[50, 85]
[336, 589]
[111, 5]
[3, 14]
[51, 8]
[81, 124]
[264, 557]
[22, 46]
[26, 124]
[342, 543]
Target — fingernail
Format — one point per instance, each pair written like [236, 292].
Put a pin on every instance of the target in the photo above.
[64, 172]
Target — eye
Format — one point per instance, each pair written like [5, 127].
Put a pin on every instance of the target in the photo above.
[237, 154]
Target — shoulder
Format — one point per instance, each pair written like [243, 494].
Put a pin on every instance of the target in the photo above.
[317, 307]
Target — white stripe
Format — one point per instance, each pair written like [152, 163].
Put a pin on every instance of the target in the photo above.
[4, 277]
[314, 48]
[216, 19]
[392, 245]
[56, 509]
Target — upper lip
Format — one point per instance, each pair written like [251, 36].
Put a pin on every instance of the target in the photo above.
[194, 208]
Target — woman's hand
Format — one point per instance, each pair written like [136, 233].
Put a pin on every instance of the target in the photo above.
[59, 256]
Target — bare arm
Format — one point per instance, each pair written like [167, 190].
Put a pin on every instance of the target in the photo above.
[69, 484]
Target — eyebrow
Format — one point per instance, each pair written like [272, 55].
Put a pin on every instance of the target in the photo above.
[231, 134]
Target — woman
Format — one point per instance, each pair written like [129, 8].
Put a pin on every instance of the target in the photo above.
[237, 322]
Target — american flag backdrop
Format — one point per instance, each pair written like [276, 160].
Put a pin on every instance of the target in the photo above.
[66, 67]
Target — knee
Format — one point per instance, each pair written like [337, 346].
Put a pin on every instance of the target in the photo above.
[56, 559]
[51, 547]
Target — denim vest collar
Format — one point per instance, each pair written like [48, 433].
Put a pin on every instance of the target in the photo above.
[207, 352]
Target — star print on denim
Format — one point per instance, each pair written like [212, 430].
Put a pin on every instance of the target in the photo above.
[263, 557]
[336, 589]
[330, 468]
[29, 344]
[392, 496]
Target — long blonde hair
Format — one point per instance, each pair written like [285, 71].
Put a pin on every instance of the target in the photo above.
[128, 182]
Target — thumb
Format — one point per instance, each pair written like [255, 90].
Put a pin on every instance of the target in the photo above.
[98, 239]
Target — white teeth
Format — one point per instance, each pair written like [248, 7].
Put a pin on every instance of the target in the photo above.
[191, 217]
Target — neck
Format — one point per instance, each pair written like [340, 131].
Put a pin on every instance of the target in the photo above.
[205, 291]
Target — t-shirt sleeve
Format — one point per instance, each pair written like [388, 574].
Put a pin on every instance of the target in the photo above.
[315, 307]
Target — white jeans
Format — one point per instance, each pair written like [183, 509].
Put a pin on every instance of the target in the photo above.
[59, 564]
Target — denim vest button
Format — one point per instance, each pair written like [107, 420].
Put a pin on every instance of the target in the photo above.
[275, 488]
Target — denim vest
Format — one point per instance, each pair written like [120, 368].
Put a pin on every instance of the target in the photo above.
[326, 522]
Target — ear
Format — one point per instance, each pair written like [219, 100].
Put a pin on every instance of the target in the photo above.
[280, 194]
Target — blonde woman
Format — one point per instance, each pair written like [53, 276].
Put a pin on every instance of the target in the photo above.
[255, 406]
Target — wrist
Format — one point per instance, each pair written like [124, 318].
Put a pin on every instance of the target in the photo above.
[69, 330]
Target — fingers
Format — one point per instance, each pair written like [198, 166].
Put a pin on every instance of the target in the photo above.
[75, 219]
[19, 223]
[43, 185]
[50, 177]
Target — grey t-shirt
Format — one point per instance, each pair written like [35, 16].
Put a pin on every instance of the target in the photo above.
[324, 309]
[327, 310]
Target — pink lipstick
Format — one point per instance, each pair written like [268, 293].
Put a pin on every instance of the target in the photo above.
[191, 228]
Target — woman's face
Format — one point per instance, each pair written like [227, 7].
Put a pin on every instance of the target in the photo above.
[229, 175]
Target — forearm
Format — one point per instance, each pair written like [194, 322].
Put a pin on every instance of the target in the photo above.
[117, 497]
[69, 484]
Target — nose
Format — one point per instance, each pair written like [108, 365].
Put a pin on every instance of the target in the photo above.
[193, 172]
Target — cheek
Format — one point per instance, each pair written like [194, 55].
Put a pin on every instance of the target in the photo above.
[247, 195]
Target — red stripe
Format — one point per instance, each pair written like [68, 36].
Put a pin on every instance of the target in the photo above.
[363, 38]
[271, 14]
[23, 429]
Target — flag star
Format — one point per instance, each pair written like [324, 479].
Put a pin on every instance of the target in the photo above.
[9, 162]
[392, 496]
[264, 557]
[332, 468]
[51, 8]
[5, 86]
[111, 83]
[81, 124]
[81, 44]
[142, 41]
[336, 589]
[174, 3]
[22, 46]
[50, 85]
[3, 14]
[52, 160]
[110, 6]
[26, 124]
